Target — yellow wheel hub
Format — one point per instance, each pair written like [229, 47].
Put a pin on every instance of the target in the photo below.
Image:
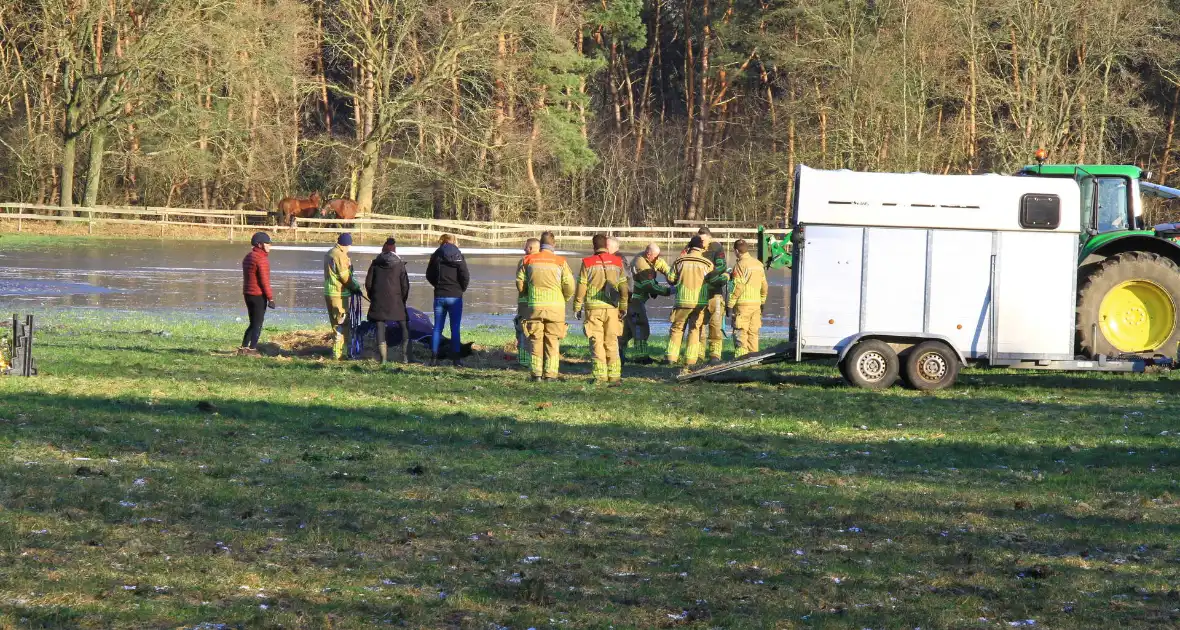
[1137, 316]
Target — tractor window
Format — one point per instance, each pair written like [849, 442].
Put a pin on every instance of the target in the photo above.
[1112, 204]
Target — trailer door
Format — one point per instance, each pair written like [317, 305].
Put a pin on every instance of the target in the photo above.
[959, 292]
[830, 287]
[1034, 291]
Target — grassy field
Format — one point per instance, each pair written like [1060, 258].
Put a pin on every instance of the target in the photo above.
[148, 479]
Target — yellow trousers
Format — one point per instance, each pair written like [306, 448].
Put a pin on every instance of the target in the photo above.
[603, 327]
[338, 318]
[692, 318]
[747, 321]
[544, 331]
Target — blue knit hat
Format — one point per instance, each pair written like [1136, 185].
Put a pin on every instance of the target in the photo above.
[345, 239]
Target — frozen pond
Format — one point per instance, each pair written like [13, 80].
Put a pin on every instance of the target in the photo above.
[204, 279]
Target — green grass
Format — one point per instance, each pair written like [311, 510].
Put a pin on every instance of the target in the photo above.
[322, 495]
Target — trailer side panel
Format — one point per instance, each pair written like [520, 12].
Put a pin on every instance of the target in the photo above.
[960, 282]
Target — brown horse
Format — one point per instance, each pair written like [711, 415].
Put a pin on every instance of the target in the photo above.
[343, 209]
[291, 208]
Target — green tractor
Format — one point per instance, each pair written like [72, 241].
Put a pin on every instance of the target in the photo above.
[1128, 273]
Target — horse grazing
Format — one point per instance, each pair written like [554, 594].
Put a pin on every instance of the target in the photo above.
[291, 208]
[343, 209]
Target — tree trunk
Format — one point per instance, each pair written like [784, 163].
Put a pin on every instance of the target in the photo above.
[644, 100]
[326, 110]
[972, 95]
[790, 169]
[697, 168]
[1171, 134]
[538, 198]
[368, 176]
[438, 200]
[613, 88]
[98, 139]
[69, 155]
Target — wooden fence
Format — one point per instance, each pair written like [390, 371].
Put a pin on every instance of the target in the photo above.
[374, 227]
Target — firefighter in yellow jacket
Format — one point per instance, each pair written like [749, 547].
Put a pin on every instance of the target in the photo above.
[548, 283]
[602, 292]
[690, 271]
[339, 285]
[747, 299]
[644, 270]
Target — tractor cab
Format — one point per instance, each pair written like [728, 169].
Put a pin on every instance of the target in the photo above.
[1110, 195]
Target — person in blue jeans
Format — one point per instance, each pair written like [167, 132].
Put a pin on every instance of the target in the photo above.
[447, 273]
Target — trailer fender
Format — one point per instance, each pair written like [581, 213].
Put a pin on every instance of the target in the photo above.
[912, 338]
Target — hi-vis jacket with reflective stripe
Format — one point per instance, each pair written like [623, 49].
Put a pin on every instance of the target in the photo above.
[717, 281]
[338, 278]
[546, 279]
[690, 271]
[749, 282]
[602, 283]
[647, 284]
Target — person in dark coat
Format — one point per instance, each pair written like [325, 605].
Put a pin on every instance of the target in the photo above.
[447, 273]
[388, 286]
[256, 289]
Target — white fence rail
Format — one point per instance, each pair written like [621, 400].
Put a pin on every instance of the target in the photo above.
[487, 233]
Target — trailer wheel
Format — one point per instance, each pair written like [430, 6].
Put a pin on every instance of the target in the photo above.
[1130, 304]
[871, 364]
[931, 365]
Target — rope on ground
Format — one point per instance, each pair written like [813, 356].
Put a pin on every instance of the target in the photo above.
[355, 317]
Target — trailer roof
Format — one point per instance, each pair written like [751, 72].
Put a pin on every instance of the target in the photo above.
[923, 201]
[1068, 170]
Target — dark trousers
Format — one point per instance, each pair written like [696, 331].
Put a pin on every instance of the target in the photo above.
[381, 330]
[256, 308]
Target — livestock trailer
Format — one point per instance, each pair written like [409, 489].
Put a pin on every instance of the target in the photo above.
[915, 275]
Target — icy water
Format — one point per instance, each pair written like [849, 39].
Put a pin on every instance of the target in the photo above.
[204, 279]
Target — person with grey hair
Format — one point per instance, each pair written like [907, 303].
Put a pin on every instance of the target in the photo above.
[645, 270]
[612, 245]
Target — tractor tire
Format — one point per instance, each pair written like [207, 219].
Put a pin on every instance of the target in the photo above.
[930, 365]
[871, 364]
[1129, 305]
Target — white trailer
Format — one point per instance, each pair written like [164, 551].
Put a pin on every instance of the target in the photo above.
[915, 275]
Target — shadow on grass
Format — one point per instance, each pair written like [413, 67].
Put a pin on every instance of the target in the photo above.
[373, 488]
[1069, 381]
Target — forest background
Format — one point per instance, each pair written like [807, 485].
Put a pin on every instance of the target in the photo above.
[602, 112]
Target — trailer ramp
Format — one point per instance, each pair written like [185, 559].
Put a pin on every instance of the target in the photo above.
[778, 354]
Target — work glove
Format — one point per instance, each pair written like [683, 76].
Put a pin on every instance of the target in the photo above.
[271, 304]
